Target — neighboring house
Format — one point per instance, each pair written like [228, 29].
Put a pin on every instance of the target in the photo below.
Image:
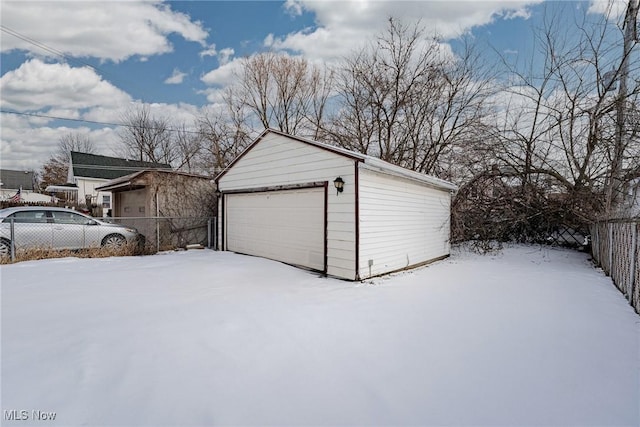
[12, 181]
[89, 171]
[183, 201]
[280, 200]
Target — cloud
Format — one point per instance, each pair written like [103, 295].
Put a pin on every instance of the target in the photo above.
[27, 145]
[106, 30]
[37, 85]
[209, 51]
[293, 7]
[27, 142]
[341, 29]
[612, 8]
[223, 75]
[220, 78]
[269, 40]
[176, 78]
[176, 114]
[225, 55]
[62, 91]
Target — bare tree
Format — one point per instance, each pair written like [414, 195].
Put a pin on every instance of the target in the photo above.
[158, 139]
[224, 134]
[188, 146]
[283, 92]
[559, 149]
[404, 100]
[55, 170]
[146, 138]
[565, 128]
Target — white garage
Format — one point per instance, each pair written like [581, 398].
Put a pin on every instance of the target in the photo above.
[279, 200]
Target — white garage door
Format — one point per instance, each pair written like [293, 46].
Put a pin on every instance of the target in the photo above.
[286, 226]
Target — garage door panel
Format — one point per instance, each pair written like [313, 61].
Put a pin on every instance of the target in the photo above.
[287, 226]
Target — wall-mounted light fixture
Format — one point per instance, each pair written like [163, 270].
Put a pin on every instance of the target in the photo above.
[339, 183]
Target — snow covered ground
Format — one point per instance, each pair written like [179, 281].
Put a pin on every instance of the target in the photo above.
[530, 336]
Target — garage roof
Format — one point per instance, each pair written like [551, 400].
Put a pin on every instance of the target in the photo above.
[369, 162]
[135, 179]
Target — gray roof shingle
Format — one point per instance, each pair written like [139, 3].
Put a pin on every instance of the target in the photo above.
[13, 180]
[103, 167]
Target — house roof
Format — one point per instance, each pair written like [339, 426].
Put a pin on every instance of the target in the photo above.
[94, 166]
[134, 180]
[371, 163]
[13, 179]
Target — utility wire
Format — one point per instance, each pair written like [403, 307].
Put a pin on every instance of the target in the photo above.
[61, 54]
[55, 52]
[45, 116]
[42, 46]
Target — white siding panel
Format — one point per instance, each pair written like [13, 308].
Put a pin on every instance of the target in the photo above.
[402, 223]
[277, 160]
[286, 226]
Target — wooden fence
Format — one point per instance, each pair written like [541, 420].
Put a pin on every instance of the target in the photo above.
[616, 248]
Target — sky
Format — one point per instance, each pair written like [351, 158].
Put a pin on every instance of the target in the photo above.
[90, 61]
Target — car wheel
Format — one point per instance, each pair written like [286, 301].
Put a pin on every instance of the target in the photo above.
[113, 241]
[5, 248]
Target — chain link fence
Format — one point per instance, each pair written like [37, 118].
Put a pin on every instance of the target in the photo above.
[162, 233]
[38, 234]
[616, 248]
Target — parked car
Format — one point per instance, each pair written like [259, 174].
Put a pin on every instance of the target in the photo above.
[60, 228]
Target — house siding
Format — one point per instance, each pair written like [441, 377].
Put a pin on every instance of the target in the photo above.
[87, 186]
[277, 160]
[402, 223]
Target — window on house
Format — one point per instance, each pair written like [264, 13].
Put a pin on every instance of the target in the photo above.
[106, 201]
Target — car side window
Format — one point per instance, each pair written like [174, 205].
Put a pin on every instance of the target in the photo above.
[29, 217]
[68, 218]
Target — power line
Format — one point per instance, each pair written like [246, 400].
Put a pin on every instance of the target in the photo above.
[45, 116]
[35, 43]
[63, 55]
[55, 52]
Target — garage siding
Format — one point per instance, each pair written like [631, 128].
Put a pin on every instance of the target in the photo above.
[277, 160]
[402, 223]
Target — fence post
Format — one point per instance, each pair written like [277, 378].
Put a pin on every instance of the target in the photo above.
[12, 235]
[595, 243]
[633, 258]
[610, 233]
[157, 234]
[209, 233]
